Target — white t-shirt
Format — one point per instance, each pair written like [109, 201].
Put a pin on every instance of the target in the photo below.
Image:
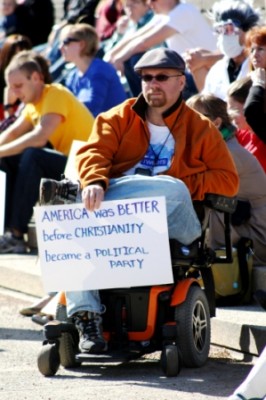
[192, 28]
[159, 154]
[217, 79]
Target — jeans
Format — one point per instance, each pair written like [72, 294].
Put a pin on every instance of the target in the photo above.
[23, 176]
[183, 223]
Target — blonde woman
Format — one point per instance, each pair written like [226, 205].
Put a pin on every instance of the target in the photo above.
[93, 81]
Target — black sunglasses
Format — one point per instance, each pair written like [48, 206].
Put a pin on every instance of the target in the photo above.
[158, 78]
[68, 40]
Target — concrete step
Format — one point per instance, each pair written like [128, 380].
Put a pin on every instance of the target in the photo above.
[21, 273]
[241, 328]
[258, 278]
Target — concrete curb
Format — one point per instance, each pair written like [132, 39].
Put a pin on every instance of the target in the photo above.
[240, 328]
[21, 273]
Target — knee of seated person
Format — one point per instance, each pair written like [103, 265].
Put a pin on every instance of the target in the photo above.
[172, 187]
[178, 189]
[30, 154]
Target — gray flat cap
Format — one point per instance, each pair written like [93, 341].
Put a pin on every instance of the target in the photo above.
[160, 58]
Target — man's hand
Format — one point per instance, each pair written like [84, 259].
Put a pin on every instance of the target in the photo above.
[122, 24]
[92, 196]
[200, 58]
[194, 59]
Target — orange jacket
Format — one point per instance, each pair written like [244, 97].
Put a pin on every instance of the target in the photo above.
[120, 138]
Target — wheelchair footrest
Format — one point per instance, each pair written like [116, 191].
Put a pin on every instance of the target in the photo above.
[110, 356]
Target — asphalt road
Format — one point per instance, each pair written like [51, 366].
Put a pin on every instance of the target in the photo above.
[20, 342]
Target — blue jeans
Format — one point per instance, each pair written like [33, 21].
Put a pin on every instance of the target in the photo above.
[23, 176]
[183, 223]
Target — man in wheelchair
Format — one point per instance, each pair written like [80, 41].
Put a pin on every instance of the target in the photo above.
[153, 145]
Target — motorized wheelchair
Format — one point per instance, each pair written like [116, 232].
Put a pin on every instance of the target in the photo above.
[173, 319]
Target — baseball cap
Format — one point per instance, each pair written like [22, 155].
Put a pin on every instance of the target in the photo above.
[161, 58]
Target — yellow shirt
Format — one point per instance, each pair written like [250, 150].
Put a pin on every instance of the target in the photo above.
[77, 119]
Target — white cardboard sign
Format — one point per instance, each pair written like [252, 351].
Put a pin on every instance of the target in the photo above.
[123, 244]
[2, 201]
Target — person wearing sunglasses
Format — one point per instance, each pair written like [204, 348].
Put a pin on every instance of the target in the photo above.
[232, 20]
[152, 145]
[93, 81]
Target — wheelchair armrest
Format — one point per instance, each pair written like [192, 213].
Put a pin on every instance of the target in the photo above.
[220, 203]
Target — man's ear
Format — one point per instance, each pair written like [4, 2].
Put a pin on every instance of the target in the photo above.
[183, 80]
[36, 76]
[217, 122]
[82, 45]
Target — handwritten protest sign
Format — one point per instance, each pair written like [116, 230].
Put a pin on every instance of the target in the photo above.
[123, 244]
[2, 201]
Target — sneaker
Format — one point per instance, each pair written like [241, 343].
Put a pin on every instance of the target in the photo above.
[10, 245]
[58, 192]
[89, 326]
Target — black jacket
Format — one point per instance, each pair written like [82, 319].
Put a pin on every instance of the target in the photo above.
[255, 111]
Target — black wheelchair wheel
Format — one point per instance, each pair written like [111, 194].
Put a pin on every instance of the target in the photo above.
[193, 328]
[48, 359]
[68, 342]
[170, 362]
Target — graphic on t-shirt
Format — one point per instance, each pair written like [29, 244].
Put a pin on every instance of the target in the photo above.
[157, 158]
[159, 153]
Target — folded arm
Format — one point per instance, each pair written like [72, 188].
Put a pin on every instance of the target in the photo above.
[154, 36]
